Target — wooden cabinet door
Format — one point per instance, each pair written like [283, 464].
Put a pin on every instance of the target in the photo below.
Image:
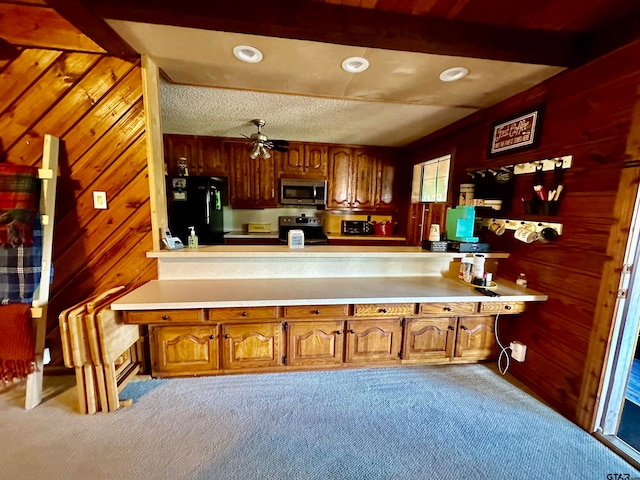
[364, 179]
[316, 161]
[429, 338]
[371, 341]
[214, 161]
[253, 181]
[241, 184]
[338, 197]
[315, 343]
[264, 172]
[184, 350]
[385, 171]
[476, 338]
[251, 345]
[176, 146]
[292, 163]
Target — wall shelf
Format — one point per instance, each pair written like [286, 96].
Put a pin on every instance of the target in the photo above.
[514, 224]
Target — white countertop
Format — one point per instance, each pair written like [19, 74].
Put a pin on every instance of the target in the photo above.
[309, 251]
[183, 294]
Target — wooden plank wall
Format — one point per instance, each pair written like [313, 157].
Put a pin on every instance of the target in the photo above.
[588, 115]
[94, 103]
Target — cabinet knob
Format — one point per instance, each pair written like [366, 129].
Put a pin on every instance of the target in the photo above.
[462, 327]
[212, 337]
[226, 335]
[165, 317]
[447, 309]
[450, 327]
[338, 332]
[383, 310]
[507, 307]
[244, 314]
[317, 312]
[352, 331]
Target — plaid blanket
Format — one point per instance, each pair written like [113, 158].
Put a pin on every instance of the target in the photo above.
[19, 203]
[21, 269]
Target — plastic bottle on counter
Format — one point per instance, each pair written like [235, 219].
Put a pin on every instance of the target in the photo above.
[521, 281]
[193, 238]
[466, 266]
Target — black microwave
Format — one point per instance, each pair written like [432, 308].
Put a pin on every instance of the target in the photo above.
[303, 192]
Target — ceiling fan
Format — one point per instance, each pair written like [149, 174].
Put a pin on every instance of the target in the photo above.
[262, 144]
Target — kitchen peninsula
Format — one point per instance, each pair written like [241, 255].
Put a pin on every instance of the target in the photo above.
[232, 309]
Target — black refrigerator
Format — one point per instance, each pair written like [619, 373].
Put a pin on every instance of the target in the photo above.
[196, 202]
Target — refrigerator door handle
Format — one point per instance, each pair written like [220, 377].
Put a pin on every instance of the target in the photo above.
[207, 201]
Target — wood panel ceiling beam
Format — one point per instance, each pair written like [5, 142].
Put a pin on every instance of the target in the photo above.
[345, 25]
[93, 27]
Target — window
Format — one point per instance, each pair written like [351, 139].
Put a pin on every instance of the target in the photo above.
[431, 180]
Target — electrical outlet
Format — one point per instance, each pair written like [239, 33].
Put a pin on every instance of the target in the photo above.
[518, 351]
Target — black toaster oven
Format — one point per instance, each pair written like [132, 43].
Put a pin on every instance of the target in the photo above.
[357, 227]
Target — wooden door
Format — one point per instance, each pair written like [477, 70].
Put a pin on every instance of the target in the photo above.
[251, 345]
[292, 163]
[264, 174]
[241, 182]
[365, 179]
[315, 343]
[385, 175]
[338, 197]
[429, 338]
[176, 146]
[214, 161]
[184, 350]
[475, 338]
[373, 341]
[316, 161]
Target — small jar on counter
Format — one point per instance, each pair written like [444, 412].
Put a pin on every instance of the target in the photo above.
[466, 267]
[521, 281]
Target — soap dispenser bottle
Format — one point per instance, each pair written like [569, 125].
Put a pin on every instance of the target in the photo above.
[193, 239]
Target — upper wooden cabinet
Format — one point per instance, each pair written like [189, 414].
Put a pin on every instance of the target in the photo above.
[305, 160]
[204, 155]
[252, 183]
[361, 179]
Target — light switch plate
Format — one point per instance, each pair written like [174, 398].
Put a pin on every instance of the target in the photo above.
[100, 200]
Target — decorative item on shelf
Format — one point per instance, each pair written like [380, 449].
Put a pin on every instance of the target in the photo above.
[384, 229]
[183, 171]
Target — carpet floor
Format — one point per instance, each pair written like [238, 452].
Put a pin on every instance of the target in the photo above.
[427, 422]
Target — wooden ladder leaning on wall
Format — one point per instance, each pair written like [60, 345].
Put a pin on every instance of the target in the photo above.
[48, 175]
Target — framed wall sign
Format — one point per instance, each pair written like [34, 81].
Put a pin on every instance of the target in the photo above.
[520, 132]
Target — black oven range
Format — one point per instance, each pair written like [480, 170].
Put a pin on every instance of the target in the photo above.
[311, 226]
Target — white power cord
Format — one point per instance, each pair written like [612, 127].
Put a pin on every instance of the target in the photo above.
[503, 350]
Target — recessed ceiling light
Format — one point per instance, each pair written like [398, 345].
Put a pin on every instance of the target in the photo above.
[247, 54]
[355, 65]
[453, 74]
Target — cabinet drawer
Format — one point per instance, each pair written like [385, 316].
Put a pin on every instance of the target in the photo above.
[383, 309]
[502, 307]
[165, 316]
[302, 311]
[450, 307]
[242, 313]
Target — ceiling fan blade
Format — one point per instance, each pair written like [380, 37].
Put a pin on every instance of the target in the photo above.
[280, 145]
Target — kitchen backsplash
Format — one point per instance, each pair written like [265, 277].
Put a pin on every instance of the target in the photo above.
[236, 220]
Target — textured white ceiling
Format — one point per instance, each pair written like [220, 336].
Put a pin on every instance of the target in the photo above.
[302, 93]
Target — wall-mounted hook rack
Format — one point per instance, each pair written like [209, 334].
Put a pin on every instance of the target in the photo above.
[513, 224]
[529, 167]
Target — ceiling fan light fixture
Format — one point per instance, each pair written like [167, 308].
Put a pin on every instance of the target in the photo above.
[255, 151]
[247, 53]
[453, 74]
[355, 64]
[264, 152]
